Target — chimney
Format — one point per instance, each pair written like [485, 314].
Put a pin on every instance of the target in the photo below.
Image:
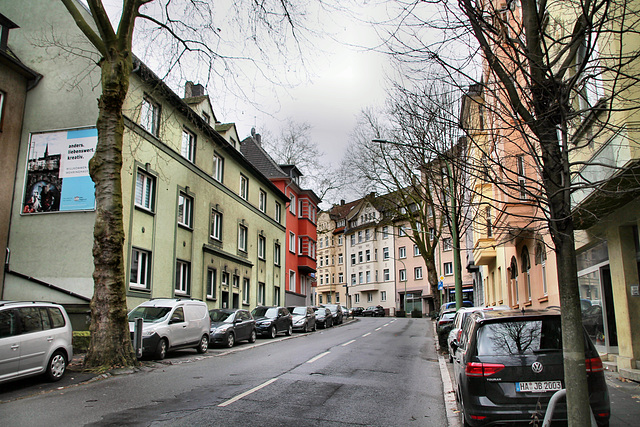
[342, 202]
[191, 90]
[259, 139]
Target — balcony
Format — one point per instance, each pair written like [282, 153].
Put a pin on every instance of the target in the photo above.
[366, 287]
[484, 251]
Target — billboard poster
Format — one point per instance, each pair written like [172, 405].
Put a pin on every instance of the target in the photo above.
[58, 171]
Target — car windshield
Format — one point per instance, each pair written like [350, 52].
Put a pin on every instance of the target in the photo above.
[320, 311]
[221, 316]
[265, 312]
[449, 316]
[520, 337]
[149, 314]
[299, 310]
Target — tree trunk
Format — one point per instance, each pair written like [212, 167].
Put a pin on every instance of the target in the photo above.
[110, 337]
[430, 264]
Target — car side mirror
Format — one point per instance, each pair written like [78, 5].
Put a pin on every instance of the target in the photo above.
[175, 319]
[454, 345]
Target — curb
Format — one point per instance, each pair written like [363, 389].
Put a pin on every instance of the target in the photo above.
[448, 394]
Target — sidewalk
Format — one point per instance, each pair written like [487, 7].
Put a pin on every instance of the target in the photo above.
[624, 395]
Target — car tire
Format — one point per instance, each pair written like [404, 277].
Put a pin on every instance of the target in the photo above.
[57, 366]
[253, 336]
[231, 340]
[289, 331]
[161, 349]
[203, 346]
[273, 332]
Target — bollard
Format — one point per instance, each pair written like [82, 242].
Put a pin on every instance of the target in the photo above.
[137, 336]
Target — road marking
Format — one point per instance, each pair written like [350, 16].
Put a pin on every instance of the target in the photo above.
[366, 335]
[318, 357]
[246, 393]
[348, 342]
[385, 325]
[377, 329]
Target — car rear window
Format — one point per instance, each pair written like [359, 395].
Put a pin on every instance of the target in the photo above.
[527, 336]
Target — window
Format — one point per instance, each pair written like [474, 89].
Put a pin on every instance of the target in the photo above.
[416, 250]
[242, 238]
[448, 268]
[188, 145]
[278, 212]
[353, 259]
[340, 277]
[357, 298]
[276, 254]
[447, 244]
[385, 253]
[402, 231]
[225, 279]
[300, 245]
[521, 171]
[403, 275]
[385, 275]
[526, 269]
[292, 242]
[367, 234]
[383, 295]
[246, 289]
[368, 276]
[417, 273]
[262, 247]
[320, 299]
[369, 297]
[340, 240]
[140, 276]
[385, 232]
[360, 256]
[262, 201]
[276, 295]
[206, 117]
[360, 236]
[211, 283]
[340, 259]
[402, 252]
[183, 277]
[541, 259]
[216, 225]
[244, 187]
[218, 167]
[261, 293]
[150, 116]
[292, 203]
[367, 255]
[353, 279]
[292, 280]
[300, 208]
[145, 188]
[185, 207]
[353, 239]
[360, 277]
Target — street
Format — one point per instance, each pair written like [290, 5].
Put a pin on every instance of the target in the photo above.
[372, 371]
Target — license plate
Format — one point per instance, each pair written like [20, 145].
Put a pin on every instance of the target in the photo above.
[538, 386]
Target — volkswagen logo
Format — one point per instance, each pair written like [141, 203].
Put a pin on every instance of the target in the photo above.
[537, 367]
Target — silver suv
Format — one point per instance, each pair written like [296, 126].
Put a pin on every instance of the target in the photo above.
[35, 338]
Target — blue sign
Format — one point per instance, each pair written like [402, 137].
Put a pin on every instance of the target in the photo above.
[440, 285]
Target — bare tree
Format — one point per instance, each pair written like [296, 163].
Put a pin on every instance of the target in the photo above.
[556, 81]
[185, 27]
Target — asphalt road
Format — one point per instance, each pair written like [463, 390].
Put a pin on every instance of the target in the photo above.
[371, 372]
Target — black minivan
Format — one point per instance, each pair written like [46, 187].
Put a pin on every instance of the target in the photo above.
[508, 364]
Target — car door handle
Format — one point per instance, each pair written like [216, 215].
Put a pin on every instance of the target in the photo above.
[15, 346]
[49, 339]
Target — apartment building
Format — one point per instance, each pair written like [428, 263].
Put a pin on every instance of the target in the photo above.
[200, 220]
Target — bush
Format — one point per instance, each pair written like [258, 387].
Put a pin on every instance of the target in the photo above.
[81, 340]
[401, 313]
[416, 313]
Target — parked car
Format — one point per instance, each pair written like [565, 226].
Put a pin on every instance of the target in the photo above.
[35, 338]
[272, 320]
[445, 319]
[357, 311]
[509, 363]
[324, 318]
[172, 324]
[458, 321]
[228, 326]
[346, 312]
[452, 304]
[336, 311]
[373, 311]
[303, 317]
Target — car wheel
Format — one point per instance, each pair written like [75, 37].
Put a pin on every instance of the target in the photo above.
[231, 340]
[161, 349]
[289, 331]
[57, 366]
[204, 344]
[273, 331]
[252, 337]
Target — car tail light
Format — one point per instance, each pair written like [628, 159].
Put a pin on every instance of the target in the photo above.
[459, 335]
[477, 369]
[478, 417]
[594, 364]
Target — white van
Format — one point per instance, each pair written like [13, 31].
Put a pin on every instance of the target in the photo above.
[35, 338]
[172, 324]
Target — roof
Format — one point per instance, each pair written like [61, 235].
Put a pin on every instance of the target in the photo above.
[484, 315]
[261, 159]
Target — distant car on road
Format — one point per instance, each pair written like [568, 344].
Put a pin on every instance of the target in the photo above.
[445, 319]
[303, 317]
[228, 326]
[357, 311]
[324, 318]
[272, 320]
[374, 311]
[336, 311]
